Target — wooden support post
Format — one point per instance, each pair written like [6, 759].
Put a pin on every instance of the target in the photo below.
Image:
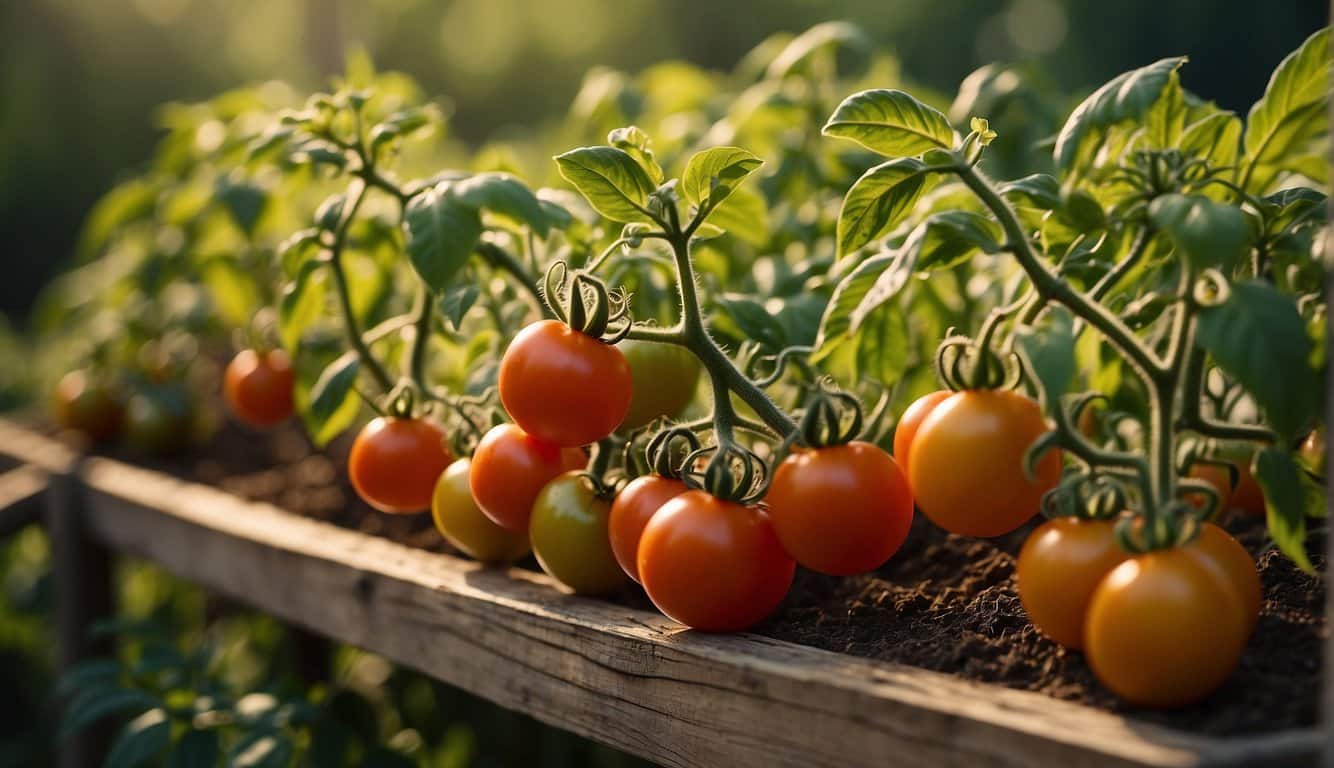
[82, 570]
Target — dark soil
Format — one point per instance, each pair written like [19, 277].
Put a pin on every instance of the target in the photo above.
[944, 603]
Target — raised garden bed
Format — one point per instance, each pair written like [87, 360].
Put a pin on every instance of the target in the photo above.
[611, 672]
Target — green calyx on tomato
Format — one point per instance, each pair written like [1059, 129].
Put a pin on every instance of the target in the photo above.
[568, 531]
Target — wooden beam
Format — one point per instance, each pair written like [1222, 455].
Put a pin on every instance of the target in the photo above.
[21, 502]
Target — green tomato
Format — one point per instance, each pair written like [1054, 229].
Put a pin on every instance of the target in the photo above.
[664, 377]
[461, 522]
[159, 420]
[568, 531]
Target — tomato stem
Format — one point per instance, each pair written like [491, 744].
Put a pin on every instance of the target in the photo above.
[355, 195]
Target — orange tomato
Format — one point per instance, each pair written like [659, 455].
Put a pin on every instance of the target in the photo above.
[630, 512]
[842, 509]
[563, 386]
[966, 465]
[258, 388]
[713, 565]
[509, 469]
[394, 463]
[1058, 569]
[911, 421]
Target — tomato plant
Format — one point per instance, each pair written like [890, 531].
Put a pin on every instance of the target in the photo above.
[395, 463]
[257, 387]
[569, 533]
[462, 523]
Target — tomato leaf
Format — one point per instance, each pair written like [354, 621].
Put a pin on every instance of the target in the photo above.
[243, 201]
[97, 702]
[195, 748]
[634, 142]
[442, 232]
[822, 42]
[457, 300]
[744, 215]
[1039, 190]
[1292, 111]
[333, 403]
[1215, 139]
[1285, 503]
[1048, 351]
[711, 176]
[611, 180]
[890, 122]
[753, 320]
[879, 200]
[1207, 234]
[505, 196]
[1258, 337]
[140, 740]
[1125, 97]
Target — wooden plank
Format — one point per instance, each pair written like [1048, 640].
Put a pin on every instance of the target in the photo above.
[627, 678]
[21, 492]
[630, 678]
[81, 566]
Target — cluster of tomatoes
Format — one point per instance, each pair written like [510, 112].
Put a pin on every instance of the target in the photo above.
[1162, 628]
[151, 413]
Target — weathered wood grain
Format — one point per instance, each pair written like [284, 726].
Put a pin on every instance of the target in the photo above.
[623, 677]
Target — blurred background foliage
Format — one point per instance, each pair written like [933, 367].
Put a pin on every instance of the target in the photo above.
[82, 80]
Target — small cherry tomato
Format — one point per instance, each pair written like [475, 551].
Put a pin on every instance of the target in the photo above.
[842, 509]
[510, 468]
[1058, 569]
[86, 405]
[911, 421]
[159, 419]
[966, 465]
[258, 387]
[664, 379]
[630, 512]
[394, 463]
[713, 565]
[463, 525]
[1219, 546]
[1247, 496]
[568, 531]
[1164, 629]
[563, 386]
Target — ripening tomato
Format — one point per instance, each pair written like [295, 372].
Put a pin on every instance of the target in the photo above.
[159, 419]
[463, 525]
[1219, 477]
[1058, 569]
[1219, 546]
[510, 468]
[563, 386]
[713, 565]
[1248, 496]
[1311, 453]
[1165, 629]
[85, 404]
[664, 379]
[911, 421]
[966, 465]
[630, 512]
[842, 509]
[568, 531]
[258, 387]
[395, 463]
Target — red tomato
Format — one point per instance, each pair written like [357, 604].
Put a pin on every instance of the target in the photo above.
[1247, 496]
[713, 565]
[510, 468]
[1216, 476]
[966, 465]
[394, 463]
[83, 404]
[911, 421]
[1165, 629]
[630, 512]
[563, 386]
[258, 388]
[1058, 569]
[842, 509]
